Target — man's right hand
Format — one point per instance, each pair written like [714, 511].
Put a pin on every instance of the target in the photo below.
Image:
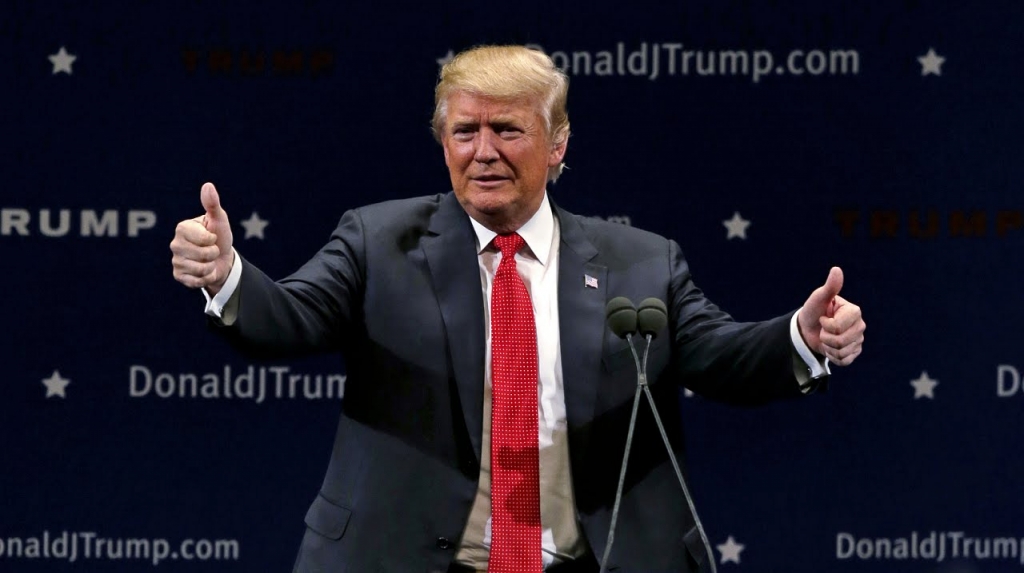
[202, 246]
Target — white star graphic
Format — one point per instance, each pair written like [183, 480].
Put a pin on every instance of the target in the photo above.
[445, 59]
[62, 61]
[730, 551]
[737, 226]
[55, 384]
[924, 386]
[254, 226]
[931, 63]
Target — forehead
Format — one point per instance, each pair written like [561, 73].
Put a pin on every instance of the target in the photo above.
[463, 106]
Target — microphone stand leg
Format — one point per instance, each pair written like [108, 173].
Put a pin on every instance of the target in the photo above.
[622, 475]
[679, 474]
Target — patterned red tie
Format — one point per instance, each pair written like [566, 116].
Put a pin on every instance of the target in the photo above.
[515, 467]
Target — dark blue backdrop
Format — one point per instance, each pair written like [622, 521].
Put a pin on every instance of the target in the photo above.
[884, 138]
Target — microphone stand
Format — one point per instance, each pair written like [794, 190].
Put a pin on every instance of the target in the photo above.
[641, 386]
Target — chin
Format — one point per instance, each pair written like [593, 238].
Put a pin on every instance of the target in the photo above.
[491, 208]
[491, 200]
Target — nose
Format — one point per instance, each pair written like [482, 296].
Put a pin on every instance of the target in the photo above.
[486, 150]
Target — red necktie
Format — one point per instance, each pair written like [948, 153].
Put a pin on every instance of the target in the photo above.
[515, 467]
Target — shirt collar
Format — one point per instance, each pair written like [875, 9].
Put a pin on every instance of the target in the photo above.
[536, 232]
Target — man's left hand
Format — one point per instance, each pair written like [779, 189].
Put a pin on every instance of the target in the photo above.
[830, 324]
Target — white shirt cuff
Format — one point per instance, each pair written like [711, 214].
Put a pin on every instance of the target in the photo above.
[815, 368]
[215, 304]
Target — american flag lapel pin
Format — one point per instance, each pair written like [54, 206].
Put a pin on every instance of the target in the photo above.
[589, 281]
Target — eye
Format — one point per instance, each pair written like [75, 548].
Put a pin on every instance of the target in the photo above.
[510, 132]
[462, 133]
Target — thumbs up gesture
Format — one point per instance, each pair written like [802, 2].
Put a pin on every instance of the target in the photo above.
[202, 246]
[830, 324]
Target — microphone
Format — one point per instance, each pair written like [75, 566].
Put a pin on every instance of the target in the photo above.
[652, 316]
[622, 316]
[650, 319]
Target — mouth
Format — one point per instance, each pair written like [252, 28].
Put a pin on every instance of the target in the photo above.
[489, 180]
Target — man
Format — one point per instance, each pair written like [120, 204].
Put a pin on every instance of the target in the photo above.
[487, 404]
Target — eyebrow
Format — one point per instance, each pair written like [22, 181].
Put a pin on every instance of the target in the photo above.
[457, 123]
[496, 121]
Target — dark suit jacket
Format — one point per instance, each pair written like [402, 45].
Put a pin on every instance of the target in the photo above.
[397, 290]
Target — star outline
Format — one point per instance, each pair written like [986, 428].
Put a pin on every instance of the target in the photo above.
[56, 385]
[736, 227]
[254, 226]
[62, 61]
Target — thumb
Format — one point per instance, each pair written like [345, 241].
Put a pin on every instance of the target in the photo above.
[833, 284]
[211, 202]
[821, 299]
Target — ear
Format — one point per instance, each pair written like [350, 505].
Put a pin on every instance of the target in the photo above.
[444, 145]
[557, 152]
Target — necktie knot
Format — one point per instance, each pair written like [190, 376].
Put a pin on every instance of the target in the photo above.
[509, 244]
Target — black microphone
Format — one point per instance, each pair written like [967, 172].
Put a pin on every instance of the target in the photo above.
[622, 319]
[649, 320]
[652, 317]
[622, 316]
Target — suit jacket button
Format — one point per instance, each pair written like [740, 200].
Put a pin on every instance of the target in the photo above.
[443, 543]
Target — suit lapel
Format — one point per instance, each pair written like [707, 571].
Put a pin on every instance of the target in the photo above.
[581, 319]
[451, 256]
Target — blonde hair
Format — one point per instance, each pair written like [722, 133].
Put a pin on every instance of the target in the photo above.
[507, 73]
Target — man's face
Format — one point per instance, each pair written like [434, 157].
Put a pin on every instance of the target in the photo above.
[498, 154]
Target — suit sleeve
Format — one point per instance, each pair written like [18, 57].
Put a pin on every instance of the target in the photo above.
[313, 310]
[719, 358]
